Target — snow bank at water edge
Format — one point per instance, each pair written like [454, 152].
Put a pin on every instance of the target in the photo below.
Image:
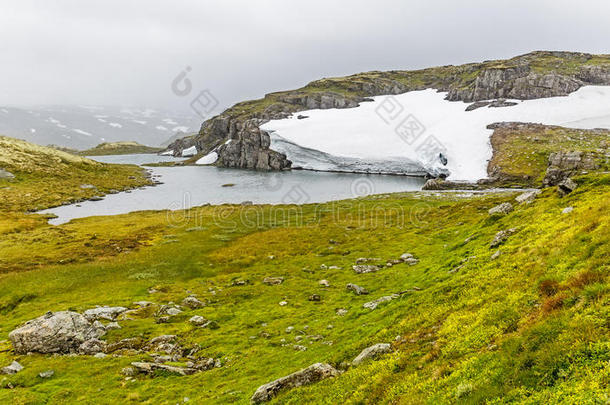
[208, 159]
[192, 151]
[417, 126]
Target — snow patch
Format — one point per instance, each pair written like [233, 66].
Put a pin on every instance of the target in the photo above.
[167, 153]
[192, 151]
[380, 133]
[208, 159]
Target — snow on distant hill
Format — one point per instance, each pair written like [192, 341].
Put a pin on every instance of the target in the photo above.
[83, 127]
[391, 134]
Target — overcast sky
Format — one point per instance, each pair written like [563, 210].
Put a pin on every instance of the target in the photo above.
[127, 52]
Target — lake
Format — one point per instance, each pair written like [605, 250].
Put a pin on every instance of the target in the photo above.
[188, 186]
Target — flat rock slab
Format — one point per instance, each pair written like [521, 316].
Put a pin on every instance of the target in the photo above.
[107, 313]
[372, 352]
[312, 374]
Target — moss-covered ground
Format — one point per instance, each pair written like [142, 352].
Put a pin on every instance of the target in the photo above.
[530, 326]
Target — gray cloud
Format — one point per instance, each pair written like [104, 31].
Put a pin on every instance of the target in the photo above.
[127, 52]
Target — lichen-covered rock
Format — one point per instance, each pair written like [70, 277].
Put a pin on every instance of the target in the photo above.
[149, 368]
[356, 289]
[92, 346]
[372, 352]
[273, 280]
[54, 332]
[502, 209]
[12, 368]
[192, 302]
[107, 313]
[566, 186]
[312, 374]
[365, 268]
[375, 303]
[501, 237]
[527, 197]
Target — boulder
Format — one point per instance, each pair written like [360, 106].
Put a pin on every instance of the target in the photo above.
[372, 352]
[54, 332]
[374, 304]
[312, 374]
[365, 268]
[107, 313]
[566, 186]
[527, 197]
[356, 289]
[502, 209]
[324, 283]
[149, 368]
[92, 346]
[46, 374]
[192, 302]
[12, 368]
[198, 320]
[315, 297]
[273, 280]
[6, 175]
[567, 210]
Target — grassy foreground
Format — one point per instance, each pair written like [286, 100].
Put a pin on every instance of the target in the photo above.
[531, 325]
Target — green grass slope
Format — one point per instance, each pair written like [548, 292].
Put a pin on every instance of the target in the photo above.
[119, 148]
[530, 326]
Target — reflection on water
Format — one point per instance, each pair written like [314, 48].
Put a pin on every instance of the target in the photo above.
[188, 186]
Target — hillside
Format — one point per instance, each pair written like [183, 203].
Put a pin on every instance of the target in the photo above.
[119, 148]
[468, 305]
[532, 76]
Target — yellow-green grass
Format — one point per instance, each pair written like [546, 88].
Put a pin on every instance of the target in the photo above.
[119, 148]
[530, 326]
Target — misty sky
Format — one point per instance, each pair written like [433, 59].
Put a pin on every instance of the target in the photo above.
[128, 52]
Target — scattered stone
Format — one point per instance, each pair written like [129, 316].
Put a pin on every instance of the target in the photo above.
[315, 297]
[164, 344]
[128, 371]
[247, 202]
[411, 261]
[374, 304]
[334, 268]
[149, 368]
[239, 282]
[502, 209]
[12, 368]
[172, 311]
[283, 303]
[162, 319]
[46, 374]
[496, 255]
[356, 289]
[107, 313]
[312, 374]
[99, 355]
[393, 262]
[324, 283]
[501, 237]
[406, 256]
[113, 325]
[528, 197]
[92, 346]
[273, 280]
[54, 332]
[372, 352]
[566, 187]
[365, 268]
[289, 329]
[300, 348]
[341, 312]
[567, 210]
[198, 320]
[192, 302]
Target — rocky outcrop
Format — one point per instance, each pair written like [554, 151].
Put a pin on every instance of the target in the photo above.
[312, 374]
[6, 175]
[54, 332]
[530, 76]
[562, 165]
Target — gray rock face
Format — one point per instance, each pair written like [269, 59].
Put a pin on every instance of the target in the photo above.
[566, 186]
[92, 346]
[372, 352]
[565, 164]
[12, 368]
[502, 209]
[58, 332]
[312, 374]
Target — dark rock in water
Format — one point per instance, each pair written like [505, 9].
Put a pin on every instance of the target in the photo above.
[495, 104]
[302, 117]
[443, 159]
[312, 374]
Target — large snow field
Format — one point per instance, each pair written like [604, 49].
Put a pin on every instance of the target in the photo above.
[418, 125]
